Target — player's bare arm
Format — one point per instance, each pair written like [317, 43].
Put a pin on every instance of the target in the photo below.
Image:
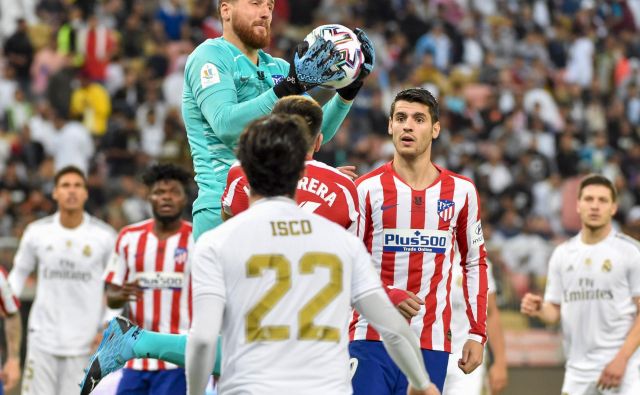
[613, 373]
[533, 306]
[118, 296]
[498, 377]
[11, 369]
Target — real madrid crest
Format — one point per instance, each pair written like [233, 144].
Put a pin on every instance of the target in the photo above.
[606, 266]
[86, 251]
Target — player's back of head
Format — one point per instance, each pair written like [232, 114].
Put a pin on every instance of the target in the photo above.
[304, 106]
[272, 152]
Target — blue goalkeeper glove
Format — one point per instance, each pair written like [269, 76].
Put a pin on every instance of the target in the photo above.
[310, 67]
[350, 91]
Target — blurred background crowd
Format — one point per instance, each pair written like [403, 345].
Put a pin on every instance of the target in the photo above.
[533, 95]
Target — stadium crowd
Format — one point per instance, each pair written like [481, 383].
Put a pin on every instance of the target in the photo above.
[534, 94]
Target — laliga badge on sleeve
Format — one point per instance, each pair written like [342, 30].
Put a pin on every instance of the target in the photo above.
[209, 75]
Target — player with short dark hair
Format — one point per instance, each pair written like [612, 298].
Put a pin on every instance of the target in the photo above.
[323, 189]
[150, 273]
[301, 270]
[70, 250]
[414, 215]
[593, 289]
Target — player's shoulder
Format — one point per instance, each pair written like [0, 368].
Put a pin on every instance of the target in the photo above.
[135, 228]
[41, 223]
[101, 226]
[626, 244]
[235, 171]
[461, 181]
[211, 50]
[371, 178]
[329, 172]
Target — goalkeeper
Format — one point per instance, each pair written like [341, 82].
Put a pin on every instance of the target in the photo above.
[230, 81]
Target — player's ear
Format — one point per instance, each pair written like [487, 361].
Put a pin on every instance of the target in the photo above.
[389, 129]
[318, 142]
[225, 11]
[436, 130]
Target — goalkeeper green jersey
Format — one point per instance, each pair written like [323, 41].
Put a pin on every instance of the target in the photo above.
[223, 92]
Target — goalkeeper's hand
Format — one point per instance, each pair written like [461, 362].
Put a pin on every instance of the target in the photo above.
[310, 67]
[350, 91]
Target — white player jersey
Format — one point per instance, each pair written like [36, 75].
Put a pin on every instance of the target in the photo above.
[68, 309]
[459, 319]
[594, 286]
[288, 279]
[162, 270]
[412, 235]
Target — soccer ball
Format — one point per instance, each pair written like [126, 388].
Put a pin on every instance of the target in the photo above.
[347, 44]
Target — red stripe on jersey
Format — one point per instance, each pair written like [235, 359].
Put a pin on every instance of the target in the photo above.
[157, 294]
[3, 308]
[368, 224]
[139, 317]
[446, 314]
[177, 293]
[352, 325]
[418, 211]
[389, 221]
[431, 302]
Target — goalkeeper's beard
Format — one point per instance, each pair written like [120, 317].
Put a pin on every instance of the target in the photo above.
[245, 32]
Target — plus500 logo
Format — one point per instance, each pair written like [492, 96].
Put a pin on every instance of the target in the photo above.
[415, 240]
[160, 280]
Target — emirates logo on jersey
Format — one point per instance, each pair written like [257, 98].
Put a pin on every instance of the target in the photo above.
[446, 209]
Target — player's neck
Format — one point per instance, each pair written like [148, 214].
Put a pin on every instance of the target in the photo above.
[71, 219]
[162, 229]
[418, 172]
[250, 53]
[590, 235]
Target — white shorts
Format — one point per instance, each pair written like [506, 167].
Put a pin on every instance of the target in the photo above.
[574, 385]
[47, 374]
[458, 383]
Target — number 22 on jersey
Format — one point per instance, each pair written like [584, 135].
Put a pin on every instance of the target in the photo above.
[307, 330]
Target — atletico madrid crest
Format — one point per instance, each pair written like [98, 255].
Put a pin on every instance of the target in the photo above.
[446, 208]
[180, 256]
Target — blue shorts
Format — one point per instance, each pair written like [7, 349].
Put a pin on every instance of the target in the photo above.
[161, 382]
[377, 374]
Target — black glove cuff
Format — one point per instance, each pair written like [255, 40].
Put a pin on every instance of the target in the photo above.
[287, 87]
[350, 91]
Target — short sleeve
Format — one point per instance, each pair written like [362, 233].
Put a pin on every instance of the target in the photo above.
[364, 277]
[553, 291]
[207, 270]
[634, 271]
[117, 272]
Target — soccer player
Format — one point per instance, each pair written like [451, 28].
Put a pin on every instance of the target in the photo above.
[323, 190]
[10, 311]
[457, 381]
[279, 281]
[412, 216]
[149, 273]
[593, 288]
[230, 81]
[339, 205]
[71, 250]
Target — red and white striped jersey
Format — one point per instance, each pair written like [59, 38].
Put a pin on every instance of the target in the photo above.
[323, 190]
[8, 302]
[162, 269]
[411, 236]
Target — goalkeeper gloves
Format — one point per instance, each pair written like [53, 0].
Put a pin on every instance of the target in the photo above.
[350, 91]
[310, 67]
